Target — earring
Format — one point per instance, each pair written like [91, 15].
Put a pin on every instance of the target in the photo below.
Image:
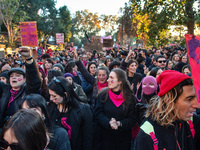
[43, 118]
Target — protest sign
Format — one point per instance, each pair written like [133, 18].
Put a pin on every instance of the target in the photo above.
[193, 47]
[93, 46]
[59, 38]
[29, 33]
[39, 51]
[96, 39]
[107, 42]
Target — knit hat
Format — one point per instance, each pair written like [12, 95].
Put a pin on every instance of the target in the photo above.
[18, 70]
[168, 79]
[68, 75]
[4, 74]
[59, 66]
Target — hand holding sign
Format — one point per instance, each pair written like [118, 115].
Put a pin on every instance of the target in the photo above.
[25, 51]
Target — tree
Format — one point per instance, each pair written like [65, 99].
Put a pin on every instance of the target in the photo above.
[49, 20]
[85, 21]
[164, 13]
[8, 10]
[65, 18]
[109, 23]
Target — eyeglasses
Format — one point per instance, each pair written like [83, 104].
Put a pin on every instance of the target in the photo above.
[160, 61]
[14, 146]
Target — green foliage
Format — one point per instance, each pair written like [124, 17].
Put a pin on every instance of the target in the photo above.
[91, 23]
[11, 15]
[163, 13]
[49, 20]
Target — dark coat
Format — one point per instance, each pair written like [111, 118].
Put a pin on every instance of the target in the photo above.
[167, 139]
[32, 85]
[91, 80]
[105, 137]
[59, 139]
[80, 120]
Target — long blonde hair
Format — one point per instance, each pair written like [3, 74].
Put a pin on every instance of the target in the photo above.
[162, 109]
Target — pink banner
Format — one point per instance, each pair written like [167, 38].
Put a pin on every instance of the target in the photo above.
[193, 47]
[29, 33]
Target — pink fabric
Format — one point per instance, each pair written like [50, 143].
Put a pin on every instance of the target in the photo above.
[68, 127]
[74, 73]
[84, 62]
[13, 95]
[191, 128]
[116, 99]
[101, 86]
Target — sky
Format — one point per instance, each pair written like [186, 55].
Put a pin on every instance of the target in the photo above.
[107, 7]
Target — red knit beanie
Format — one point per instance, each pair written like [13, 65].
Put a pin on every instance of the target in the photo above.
[168, 79]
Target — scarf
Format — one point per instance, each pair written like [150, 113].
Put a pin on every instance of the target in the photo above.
[68, 127]
[116, 99]
[101, 86]
[13, 95]
[84, 62]
[74, 73]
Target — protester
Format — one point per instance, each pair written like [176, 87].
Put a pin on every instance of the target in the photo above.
[71, 67]
[21, 83]
[98, 84]
[115, 114]
[155, 72]
[169, 64]
[24, 131]
[59, 139]
[77, 88]
[4, 77]
[130, 66]
[161, 62]
[168, 124]
[58, 67]
[48, 65]
[66, 112]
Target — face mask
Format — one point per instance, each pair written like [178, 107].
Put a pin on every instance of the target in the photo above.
[149, 85]
[148, 90]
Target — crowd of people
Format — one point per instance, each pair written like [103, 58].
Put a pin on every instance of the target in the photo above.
[115, 99]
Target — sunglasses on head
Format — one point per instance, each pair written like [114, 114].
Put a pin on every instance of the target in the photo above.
[160, 61]
[14, 146]
[57, 81]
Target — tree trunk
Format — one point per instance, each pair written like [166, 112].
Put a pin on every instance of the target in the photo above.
[190, 16]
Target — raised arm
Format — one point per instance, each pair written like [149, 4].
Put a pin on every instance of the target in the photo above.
[33, 82]
[88, 77]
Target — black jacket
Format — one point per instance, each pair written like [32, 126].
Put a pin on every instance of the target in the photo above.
[80, 120]
[32, 85]
[107, 138]
[169, 136]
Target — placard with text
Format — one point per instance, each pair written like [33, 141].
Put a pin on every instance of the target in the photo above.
[29, 33]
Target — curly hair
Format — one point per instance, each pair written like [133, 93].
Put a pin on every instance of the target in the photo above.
[162, 109]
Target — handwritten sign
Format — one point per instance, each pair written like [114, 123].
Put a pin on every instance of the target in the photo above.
[59, 38]
[107, 42]
[29, 33]
[193, 47]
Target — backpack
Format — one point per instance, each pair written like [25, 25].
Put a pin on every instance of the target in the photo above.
[147, 127]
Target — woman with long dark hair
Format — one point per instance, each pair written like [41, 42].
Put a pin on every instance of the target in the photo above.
[66, 112]
[24, 131]
[98, 83]
[59, 139]
[115, 113]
